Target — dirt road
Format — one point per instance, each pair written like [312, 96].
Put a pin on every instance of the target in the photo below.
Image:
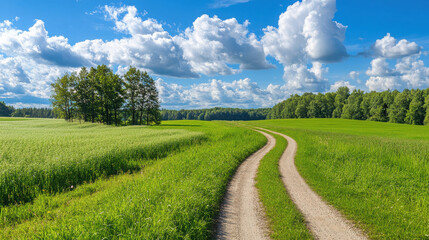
[324, 221]
[241, 215]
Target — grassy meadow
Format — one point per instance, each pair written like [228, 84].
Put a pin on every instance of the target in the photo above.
[52, 156]
[173, 195]
[62, 180]
[376, 173]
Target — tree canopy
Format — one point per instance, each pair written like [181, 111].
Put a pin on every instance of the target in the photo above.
[99, 95]
[5, 111]
[408, 106]
[230, 114]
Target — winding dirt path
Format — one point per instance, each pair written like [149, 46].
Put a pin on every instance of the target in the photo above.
[241, 215]
[324, 221]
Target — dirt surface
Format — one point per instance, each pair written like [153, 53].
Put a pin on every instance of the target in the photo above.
[324, 221]
[242, 216]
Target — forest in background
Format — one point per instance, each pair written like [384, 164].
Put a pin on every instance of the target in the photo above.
[408, 106]
[218, 113]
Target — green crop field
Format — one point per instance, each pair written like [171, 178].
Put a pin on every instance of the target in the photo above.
[377, 174]
[167, 181]
[62, 180]
[9, 119]
[52, 156]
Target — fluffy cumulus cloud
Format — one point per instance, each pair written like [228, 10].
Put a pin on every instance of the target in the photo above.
[389, 47]
[334, 87]
[26, 80]
[408, 72]
[208, 47]
[305, 39]
[240, 93]
[31, 59]
[211, 44]
[355, 76]
[36, 44]
[148, 46]
[306, 33]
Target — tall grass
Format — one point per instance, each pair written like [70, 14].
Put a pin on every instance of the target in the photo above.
[36, 156]
[377, 174]
[177, 197]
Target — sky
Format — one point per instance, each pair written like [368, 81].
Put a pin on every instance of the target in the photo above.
[209, 53]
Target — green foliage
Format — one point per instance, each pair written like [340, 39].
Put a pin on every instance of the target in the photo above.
[5, 111]
[400, 107]
[34, 113]
[286, 222]
[426, 121]
[177, 197]
[352, 109]
[340, 99]
[230, 114]
[387, 106]
[62, 99]
[102, 96]
[377, 174]
[416, 112]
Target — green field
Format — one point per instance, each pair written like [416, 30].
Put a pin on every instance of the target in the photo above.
[176, 197]
[9, 119]
[62, 180]
[377, 174]
[52, 156]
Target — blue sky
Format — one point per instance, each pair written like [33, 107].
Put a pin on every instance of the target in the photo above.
[232, 53]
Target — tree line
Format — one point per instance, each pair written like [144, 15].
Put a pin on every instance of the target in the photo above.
[34, 113]
[229, 114]
[408, 106]
[99, 95]
[5, 110]
[9, 111]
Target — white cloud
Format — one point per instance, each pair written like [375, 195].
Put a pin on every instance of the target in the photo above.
[355, 76]
[334, 87]
[379, 67]
[413, 72]
[409, 72]
[227, 3]
[306, 33]
[211, 44]
[23, 77]
[240, 93]
[300, 78]
[36, 44]
[389, 47]
[306, 38]
[126, 20]
[149, 47]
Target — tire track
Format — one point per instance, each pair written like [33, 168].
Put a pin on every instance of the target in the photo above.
[323, 220]
[241, 215]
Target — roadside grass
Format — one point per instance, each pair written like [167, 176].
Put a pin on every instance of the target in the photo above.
[54, 156]
[286, 222]
[377, 174]
[177, 197]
